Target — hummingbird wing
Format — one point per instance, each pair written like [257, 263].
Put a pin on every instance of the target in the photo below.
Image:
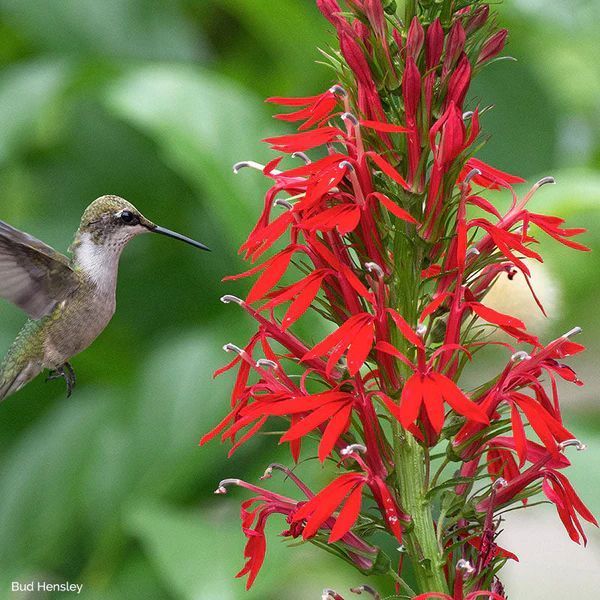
[33, 275]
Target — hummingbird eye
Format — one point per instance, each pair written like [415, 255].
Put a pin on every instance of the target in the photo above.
[128, 217]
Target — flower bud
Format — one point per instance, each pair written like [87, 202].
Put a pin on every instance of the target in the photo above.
[477, 19]
[455, 44]
[434, 44]
[415, 39]
[492, 47]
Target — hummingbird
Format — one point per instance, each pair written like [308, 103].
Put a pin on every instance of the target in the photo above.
[69, 301]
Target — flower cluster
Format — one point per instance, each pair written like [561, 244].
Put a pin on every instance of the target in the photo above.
[384, 242]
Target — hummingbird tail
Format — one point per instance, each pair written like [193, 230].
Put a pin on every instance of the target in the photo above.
[14, 378]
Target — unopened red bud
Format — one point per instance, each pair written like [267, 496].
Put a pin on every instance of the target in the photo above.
[363, 33]
[415, 39]
[492, 47]
[459, 82]
[398, 39]
[411, 87]
[455, 44]
[331, 10]
[355, 58]
[478, 19]
[434, 43]
[374, 11]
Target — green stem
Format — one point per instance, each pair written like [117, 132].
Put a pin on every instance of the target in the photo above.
[410, 10]
[421, 540]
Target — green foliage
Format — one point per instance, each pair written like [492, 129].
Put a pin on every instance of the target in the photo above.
[155, 103]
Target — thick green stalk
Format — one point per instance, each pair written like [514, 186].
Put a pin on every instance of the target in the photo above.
[410, 10]
[421, 541]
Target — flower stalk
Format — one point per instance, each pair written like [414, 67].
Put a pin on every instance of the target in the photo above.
[381, 222]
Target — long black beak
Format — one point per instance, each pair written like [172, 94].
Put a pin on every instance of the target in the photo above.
[178, 236]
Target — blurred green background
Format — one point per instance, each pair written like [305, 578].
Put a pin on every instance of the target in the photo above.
[155, 100]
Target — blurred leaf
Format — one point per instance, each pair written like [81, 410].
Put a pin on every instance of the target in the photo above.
[270, 45]
[27, 94]
[112, 28]
[176, 542]
[178, 403]
[203, 124]
[41, 482]
[198, 554]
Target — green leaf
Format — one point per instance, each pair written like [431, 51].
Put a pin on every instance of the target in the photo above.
[28, 92]
[203, 124]
[112, 28]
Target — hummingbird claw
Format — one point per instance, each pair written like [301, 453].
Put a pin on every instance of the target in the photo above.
[66, 371]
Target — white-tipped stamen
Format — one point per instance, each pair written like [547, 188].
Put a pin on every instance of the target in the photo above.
[228, 299]
[360, 448]
[222, 487]
[267, 474]
[346, 165]
[520, 355]
[472, 173]
[574, 442]
[338, 90]
[366, 588]
[499, 483]
[251, 164]
[266, 362]
[328, 594]
[283, 203]
[465, 566]
[348, 116]
[544, 181]
[373, 267]
[401, 548]
[421, 330]
[572, 332]
[473, 251]
[232, 348]
[302, 156]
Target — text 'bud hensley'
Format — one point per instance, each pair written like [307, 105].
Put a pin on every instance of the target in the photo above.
[46, 586]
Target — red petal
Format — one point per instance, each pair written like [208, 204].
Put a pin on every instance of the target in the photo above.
[304, 299]
[388, 169]
[519, 435]
[386, 127]
[406, 330]
[411, 399]
[337, 426]
[360, 347]
[394, 208]
[387, 348]
[490, 176]
[497, 318]
[459, 402]
[434, 403]
[390, 405]
[314, 419]
[348, 515]
[305, 101]
[433, 305]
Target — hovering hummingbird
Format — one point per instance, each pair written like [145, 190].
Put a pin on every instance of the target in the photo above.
[69, 301]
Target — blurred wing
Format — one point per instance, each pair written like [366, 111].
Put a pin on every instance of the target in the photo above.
[33, 275]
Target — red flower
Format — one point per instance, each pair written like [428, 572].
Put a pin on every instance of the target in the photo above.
[345, 491]
[356, 335]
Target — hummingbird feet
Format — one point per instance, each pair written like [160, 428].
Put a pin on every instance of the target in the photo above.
[65, 371]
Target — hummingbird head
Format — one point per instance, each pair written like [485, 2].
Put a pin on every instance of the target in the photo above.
[111, 221]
